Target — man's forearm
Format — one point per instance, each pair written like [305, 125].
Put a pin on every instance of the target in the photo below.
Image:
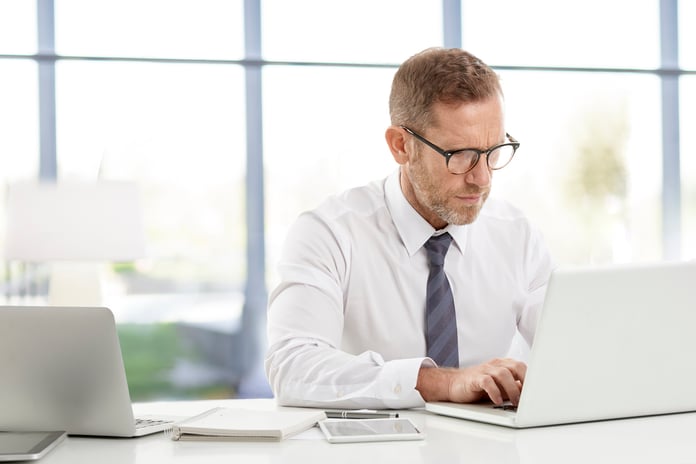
[433, 383]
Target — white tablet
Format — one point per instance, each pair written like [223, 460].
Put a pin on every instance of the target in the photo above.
[27, 446]
[356, 430]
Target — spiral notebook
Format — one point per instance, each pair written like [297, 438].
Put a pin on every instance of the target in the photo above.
[236, 424]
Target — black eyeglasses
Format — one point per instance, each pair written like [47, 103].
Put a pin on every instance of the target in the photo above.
[464, 160]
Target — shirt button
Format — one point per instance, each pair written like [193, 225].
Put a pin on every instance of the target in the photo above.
[397, 389]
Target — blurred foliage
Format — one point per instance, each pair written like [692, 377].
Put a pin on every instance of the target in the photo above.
[150, 353]
[123, 267]
[596, 180]
[598, 169]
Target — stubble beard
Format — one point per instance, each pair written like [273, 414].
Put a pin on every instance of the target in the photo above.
[427, 193]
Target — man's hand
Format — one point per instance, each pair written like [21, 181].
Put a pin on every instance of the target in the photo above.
[499, 380]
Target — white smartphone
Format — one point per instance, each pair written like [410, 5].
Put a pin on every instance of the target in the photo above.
[27, 446]
[357, 430]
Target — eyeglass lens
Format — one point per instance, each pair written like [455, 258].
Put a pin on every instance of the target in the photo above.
[465, 160]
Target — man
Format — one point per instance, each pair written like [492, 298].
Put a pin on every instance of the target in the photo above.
[364, 316]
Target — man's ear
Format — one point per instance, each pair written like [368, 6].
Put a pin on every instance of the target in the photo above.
[396, 139]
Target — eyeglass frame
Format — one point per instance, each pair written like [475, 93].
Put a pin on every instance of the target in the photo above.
[449, 153]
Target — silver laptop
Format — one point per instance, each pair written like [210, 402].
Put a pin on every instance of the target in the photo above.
[612, 342]
[61, 369]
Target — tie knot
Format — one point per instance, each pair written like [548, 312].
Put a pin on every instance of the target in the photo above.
[437, 247]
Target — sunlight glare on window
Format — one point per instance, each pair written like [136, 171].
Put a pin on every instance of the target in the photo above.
[588, 172]
[178, 130]
[687, 35]
[211, 29]
[17, 27]
[19, 120]
[591, 33]
[361, 31]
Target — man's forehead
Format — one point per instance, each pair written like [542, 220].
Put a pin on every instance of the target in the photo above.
[483, 112]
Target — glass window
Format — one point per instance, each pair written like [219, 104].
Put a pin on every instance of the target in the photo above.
[687, 34]
[19, 147]
[387, 31]
[17, 27]
[591, 33]
[19, 129]
[323, 133]
[204, 29]
[588, 172]
[19, 120]
[178, 130]
[688, 165]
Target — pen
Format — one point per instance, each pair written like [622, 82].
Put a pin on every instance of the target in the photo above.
[360, 414]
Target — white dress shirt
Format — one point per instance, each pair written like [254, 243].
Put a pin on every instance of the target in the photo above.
[346, 325]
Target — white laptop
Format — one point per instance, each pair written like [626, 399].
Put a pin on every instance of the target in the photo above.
[61, 369]
[612, 342]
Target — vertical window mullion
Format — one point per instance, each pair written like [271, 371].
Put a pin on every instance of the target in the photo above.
[48, 161]
[255, 294]
[669, 81]
[452, 23]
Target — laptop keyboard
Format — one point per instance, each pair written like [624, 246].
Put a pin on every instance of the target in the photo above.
[142, 423]
[506, 407]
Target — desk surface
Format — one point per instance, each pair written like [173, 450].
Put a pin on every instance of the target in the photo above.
[643, 440]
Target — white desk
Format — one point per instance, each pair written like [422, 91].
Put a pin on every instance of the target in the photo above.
[645, 440]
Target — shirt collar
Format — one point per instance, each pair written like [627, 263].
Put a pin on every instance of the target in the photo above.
[410, 225]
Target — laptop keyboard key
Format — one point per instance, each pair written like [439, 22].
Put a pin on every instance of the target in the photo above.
[506, 407]
[141, 423]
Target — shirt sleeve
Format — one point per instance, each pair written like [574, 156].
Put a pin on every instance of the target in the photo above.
[538, 267]
[304, 362]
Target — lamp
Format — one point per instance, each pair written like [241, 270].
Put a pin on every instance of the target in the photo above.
[74, 225]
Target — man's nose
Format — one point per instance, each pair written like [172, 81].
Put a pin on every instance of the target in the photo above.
[481, 174]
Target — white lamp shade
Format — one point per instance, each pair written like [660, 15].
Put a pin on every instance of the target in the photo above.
[69, 221]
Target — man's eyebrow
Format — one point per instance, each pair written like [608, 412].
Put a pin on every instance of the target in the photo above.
[478, 149]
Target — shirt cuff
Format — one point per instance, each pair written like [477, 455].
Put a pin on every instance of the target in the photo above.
[399, 385]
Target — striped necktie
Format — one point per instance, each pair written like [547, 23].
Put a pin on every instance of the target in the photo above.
[440, 317]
